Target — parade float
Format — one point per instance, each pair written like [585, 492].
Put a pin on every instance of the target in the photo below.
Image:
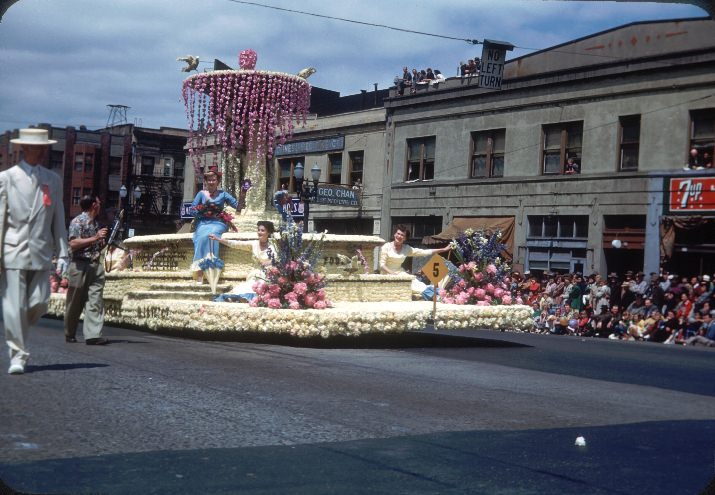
[236, 118]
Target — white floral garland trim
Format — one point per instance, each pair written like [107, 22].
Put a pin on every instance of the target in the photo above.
[136, 241]
[247, 72]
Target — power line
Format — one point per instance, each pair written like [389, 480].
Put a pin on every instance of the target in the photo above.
[423, 33]
[363, 23]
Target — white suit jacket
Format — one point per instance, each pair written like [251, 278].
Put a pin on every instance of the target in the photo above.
[32, 231]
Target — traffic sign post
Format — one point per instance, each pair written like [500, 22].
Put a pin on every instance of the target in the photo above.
[435, 270]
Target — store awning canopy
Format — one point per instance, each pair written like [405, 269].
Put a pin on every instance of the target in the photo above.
[459, 224]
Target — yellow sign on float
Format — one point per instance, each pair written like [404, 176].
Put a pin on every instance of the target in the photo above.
[435, 269]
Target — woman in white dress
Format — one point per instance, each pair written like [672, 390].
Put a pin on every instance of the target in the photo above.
[393, 254]
[260, 250]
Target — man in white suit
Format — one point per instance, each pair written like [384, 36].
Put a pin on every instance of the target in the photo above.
[32, 227]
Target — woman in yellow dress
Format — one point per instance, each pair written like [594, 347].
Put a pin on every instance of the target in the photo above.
[260, 250]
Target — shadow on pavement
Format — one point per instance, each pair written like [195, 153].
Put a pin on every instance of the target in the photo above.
[669, 457]
[366, 341]
[62, 367]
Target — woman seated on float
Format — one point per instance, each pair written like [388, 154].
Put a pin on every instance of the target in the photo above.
[260, 250]
[393, 254]
[208, 207]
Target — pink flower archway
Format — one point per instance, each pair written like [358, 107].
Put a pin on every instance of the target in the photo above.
[242, 109]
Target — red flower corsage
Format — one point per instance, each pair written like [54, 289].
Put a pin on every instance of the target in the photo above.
[46, 199]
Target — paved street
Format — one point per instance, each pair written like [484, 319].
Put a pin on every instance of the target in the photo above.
[488, 413]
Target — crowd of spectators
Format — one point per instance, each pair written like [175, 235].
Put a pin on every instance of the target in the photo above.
[471, 68]
[416, 78]
[664, 308]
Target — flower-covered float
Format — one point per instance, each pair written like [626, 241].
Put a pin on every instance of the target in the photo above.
[235, 119]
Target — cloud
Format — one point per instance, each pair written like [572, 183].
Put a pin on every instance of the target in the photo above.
[64, 61]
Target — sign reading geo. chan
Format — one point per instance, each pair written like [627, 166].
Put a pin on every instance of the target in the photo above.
[690, 194]
[330, 194]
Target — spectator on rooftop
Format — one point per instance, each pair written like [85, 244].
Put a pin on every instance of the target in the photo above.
[415, 80]
[462, 68]
[404, 80]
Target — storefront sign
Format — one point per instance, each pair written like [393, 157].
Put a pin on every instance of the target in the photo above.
[336, 143]
[186, 211]
[296, 209]
[329, 194]
[690, 195]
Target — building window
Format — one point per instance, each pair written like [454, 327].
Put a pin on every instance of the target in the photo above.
[285, 172]
[419, 228]
[56, 160]
[488, 153]
[561, 142]
[76, 195]
[561, 226]
[112, 198]
[178, 169]
[147, 165]
[336, 168]
[544, 254]
[629, 134]
[115, 165]
[420, 158]
[557, 260]
[702, 137]
[356, 167]
[86, 192]
[167, 167]
[88, 163]
[78, 162]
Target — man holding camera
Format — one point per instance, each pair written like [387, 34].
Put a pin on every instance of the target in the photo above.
[86, 275]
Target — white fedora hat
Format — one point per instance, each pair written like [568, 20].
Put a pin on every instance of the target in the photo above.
[36, 137]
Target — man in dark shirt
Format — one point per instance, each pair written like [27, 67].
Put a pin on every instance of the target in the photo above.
[86, 275]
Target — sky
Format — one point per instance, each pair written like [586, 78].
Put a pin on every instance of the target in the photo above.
[63, 61]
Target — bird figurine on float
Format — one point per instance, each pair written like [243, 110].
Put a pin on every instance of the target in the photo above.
[192, 62]
[306, 73]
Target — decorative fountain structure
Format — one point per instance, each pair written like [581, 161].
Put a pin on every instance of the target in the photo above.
[236, 117]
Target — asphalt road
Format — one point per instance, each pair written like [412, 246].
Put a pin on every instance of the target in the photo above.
[489, 412]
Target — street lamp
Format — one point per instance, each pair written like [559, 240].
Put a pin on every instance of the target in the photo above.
[127, 205]
[304, 189]
[123, 195]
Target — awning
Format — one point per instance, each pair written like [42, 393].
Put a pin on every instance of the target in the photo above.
[491, 224]
[669, 224]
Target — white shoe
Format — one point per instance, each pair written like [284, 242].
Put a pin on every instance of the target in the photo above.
[16, 369]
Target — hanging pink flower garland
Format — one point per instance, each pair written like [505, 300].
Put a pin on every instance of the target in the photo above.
[242, 109]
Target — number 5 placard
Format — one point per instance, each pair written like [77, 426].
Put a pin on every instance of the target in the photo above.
[435, 269]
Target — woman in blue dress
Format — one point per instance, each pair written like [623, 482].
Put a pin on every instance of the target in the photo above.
[210, 219]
